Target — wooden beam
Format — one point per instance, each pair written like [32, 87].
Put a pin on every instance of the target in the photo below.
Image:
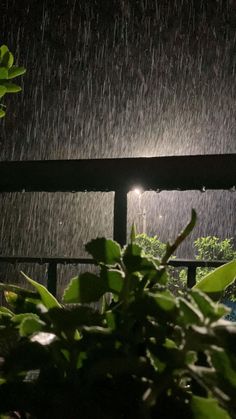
[162, 173]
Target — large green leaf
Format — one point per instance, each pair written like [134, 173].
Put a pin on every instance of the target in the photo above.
[18, 290]
[7, 59]
[11, 87]
[113, 280]
[86, 288]
[3, 50]
[6, 311]
[165, 300]
[207, 409]
[223, 366]
[188, 313]
[16, 72]
[47, 298]
[217, 281]
[3, 90]
[30, 325]
[104, 251]
[3, 73]
[207, 306]
[135, 261]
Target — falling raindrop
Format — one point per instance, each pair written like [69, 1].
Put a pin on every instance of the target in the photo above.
[156, 80]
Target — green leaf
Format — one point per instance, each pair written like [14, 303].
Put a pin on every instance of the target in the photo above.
[23, 292]
[165, 300]
[133, 233]
[86, 288]
[207, 306]
[3, 50]
[3, 73]
[4, 310]
[188, 313]
[111, 320]
[47, 298]
[16, 72]
[31, 325]
[2, 113]
[222, 364]
[3, 91]
[217, 281]
[104, 251]
[155, 362]
[11, 87]
[18, 318]
[7, 59]
[113, 280]
[207, 409]
[171, 248]
[135, 261]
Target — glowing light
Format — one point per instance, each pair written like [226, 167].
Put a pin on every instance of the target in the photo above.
[138, 191]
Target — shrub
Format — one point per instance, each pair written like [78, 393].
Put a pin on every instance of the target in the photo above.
[146, 354]
[152, 246]
[212, 248]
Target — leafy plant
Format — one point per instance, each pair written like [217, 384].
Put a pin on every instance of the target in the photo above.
[212, 248]
[151, 245]
[145, 354]
[8, 72]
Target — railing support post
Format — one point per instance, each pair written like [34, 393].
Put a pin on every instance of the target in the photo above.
[120, 217]
[52, 278]
[191, 276]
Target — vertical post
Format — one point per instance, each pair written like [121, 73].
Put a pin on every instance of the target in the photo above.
[120, 217]
[191, 276]
[52, 278]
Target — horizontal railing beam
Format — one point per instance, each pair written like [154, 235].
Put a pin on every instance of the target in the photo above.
[155, 173]
[88, 261]
[190, 264]
[45, 260]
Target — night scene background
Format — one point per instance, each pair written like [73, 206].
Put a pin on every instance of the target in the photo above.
[116, 78]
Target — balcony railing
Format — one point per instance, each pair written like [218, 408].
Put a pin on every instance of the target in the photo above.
[118, 175]
[53, 263]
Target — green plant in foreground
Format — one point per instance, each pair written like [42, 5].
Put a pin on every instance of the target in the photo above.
[152, 246]
[8, 72]
[145, 354]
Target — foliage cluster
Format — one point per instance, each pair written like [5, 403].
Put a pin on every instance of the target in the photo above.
[206, 248]
[213, 248]
[151, 245]
[145, 354]
[8, 72]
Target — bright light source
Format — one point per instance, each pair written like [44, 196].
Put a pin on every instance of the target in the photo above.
[138, 191]
[160, 216]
